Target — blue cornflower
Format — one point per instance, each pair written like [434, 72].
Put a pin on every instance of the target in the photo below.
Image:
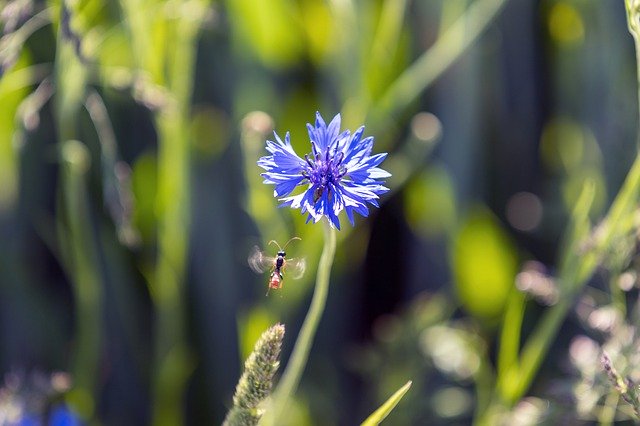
[63, 416]
[340, 172]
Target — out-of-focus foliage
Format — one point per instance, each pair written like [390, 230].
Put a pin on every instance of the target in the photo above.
[485, 262]
[130, 199]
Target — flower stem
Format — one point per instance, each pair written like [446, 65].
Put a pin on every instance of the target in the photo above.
[300, 355]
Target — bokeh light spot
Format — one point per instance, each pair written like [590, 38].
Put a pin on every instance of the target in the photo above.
[524, 211]
[565, 24]
[426, 126]
[451, 402]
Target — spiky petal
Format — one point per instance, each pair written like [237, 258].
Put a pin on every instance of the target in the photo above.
[340, 173]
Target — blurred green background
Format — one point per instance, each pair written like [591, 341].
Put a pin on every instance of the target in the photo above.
[130, 197]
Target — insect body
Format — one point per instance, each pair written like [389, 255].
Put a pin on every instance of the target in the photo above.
[261, 262]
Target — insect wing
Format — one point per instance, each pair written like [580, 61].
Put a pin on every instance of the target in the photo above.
[295, 267]
[258, 261]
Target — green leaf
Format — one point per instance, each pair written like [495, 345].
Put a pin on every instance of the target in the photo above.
[381, 413]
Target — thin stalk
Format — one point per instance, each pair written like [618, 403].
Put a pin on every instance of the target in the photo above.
[165, 48]
[298, 360]
[172, 358]
[633, 23]
[607, 414]
[434, 62]
[85, 275]
[173, 363]
[484, 380]
[78, 239]
[510, 339]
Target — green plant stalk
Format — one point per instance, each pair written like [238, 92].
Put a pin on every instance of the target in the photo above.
[387, 35]
[164, 48]
[632, 8]
[435, 61]
[484, 384]
[85, 275]
[510, 338]
[82, 257]
[298, 360]
[607, 414]
[172, 358]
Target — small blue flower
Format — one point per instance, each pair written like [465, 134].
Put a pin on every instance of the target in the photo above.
[63, 416]
[340, 172]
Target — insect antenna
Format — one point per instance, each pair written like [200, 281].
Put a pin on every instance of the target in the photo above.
[276, 243]
[294, 238]
[285, 246]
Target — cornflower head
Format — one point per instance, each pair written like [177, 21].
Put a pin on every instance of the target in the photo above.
[340, 173]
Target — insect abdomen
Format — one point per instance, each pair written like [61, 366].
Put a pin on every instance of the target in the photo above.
[276, 280]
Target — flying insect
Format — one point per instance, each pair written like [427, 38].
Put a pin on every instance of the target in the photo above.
[260, 262]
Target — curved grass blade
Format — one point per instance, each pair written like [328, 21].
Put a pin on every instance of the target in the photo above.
[381, 413]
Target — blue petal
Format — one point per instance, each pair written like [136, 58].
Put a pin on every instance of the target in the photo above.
[277, 178]
[351, 146]
[286, 187]
[378, 173]
[313, 137]
[360, 193]
[323, 136]
[304, 202]
[349, 211]
[328, 209]
[319, 120]
[361, 172]
[333, 129]
[283, 158]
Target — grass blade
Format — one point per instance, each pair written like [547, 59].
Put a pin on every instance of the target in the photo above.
[381, 413]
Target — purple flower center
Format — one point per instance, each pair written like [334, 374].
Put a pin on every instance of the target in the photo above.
[324, 171]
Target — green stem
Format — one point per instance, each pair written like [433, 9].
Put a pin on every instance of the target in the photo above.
[300, 355]
[165, 49]
[77, 237]
[607, 414]
[510, 340]
[86, 277]
[435, 61]
[171, 362]
[633, 23]
[172, 358]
